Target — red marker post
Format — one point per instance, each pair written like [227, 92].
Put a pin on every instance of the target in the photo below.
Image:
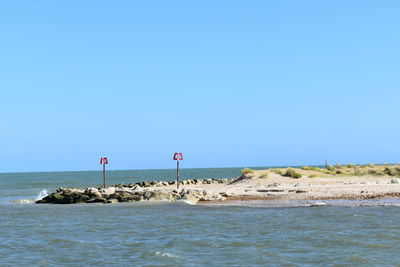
[104, 162]
[178, 157]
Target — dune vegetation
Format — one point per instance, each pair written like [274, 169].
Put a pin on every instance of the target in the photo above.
[390, 170]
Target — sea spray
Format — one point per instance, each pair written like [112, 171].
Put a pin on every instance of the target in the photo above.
[42, 195]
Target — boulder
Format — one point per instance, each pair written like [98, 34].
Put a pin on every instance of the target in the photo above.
[123, 190]
[137, 188]
[69, 190]
[183, 192]
[191, 198]
[47, 199]
[158, 184]
[107, 190]
[138, 197]
[125, 197]
[395, 181]
[81, 199]
[92, 192]
[60, 189]
[58, 198]
[208, 196]
[158, 196]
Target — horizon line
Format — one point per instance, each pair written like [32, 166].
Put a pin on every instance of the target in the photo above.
[266, 166]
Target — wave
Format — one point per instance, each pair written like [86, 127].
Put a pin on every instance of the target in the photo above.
[166, 255]
[184, 201]
[42, 194]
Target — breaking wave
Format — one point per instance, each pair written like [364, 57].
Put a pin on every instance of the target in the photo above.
[42, 194]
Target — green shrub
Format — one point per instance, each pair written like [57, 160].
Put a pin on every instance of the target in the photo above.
[375, 172]
[350, 165]
[392, 171]
[339, 166]
[389, 171]
[331, 168]
[292, 173]
[308, 168]
[371, 165]
[359, 173]
[325, 171]
[312, 176]
[264, 175]
[339, 172]
[247, 171]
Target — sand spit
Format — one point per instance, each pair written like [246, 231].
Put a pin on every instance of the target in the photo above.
[262, 185]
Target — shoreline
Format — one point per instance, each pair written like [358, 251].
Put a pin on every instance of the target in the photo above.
[253, 185]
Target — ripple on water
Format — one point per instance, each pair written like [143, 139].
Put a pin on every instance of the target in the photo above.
[196, 235]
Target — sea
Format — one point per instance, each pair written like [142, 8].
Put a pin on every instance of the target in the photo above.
[179, 234]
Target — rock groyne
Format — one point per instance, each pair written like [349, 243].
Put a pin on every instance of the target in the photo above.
[142, 191]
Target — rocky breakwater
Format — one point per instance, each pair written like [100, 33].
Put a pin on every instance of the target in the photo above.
[190, 191]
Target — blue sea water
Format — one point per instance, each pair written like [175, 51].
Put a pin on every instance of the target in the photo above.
[178, 234]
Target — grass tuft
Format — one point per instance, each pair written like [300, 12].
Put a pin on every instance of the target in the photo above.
[376, 172]
[292, 173]
[247, 171]
[277, 171]
[392, 171]
[331, 168]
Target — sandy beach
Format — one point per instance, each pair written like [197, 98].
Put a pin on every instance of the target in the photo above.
[277, 187]
[287, 184]
[254, 187]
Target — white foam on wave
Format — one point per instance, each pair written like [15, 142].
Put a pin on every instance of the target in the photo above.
[24, 201]
[185, 201]
[166, 255]
[42, 194]
[392, 204]
[318, 203]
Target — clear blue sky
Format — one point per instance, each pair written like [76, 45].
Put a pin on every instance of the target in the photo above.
[228, 83]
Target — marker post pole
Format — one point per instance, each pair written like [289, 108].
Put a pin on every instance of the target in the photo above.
[104, 175]
[177, 174]
[178, 157]
[104, 162]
